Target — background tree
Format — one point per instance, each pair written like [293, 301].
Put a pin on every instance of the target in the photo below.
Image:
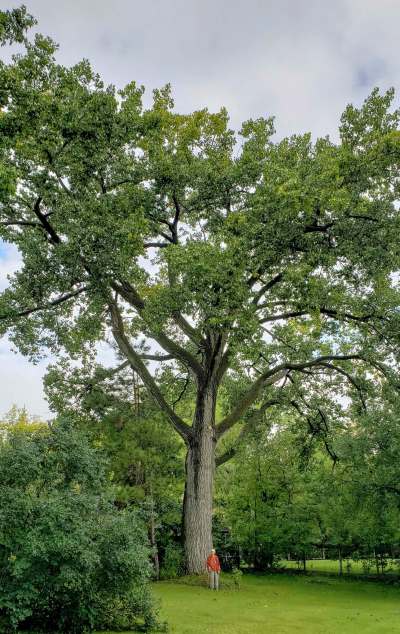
[18, 419]
[281, 497]
[230, 259]
[145, 461]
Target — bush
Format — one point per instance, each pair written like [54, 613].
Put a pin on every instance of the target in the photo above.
[173, 565]
[69, 561]
[237, 575]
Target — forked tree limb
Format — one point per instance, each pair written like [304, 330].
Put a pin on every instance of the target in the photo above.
[137, 364]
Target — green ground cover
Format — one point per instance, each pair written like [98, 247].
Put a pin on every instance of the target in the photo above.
[282, 604]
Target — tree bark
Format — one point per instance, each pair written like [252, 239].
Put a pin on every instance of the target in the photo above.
[376, 561]
[200, 468]
[153, 539]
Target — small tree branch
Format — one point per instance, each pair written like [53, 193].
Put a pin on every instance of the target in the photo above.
[351, 379]
[56, 302]
[22, 223]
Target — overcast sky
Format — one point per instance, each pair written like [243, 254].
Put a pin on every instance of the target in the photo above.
[300, 60]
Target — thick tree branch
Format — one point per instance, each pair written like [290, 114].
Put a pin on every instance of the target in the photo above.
[267, 378]
[192, 333]
[137, 364]
[157, 357]
[178, 352]
[247, 427]
[272, 376]
[155, 245]
[174, 224]
[329, 312]
[277, 278]
[318, 228]
[288, 315]
[54, 237]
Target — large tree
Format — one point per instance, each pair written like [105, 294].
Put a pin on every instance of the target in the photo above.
[243, 262]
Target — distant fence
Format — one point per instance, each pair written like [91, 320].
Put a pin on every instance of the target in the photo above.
[345, 560]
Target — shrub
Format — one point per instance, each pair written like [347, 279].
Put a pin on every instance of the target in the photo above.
[69, 561]
[173, 563]
[237, 577]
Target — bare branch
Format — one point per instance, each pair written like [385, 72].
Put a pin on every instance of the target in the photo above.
[182, 392]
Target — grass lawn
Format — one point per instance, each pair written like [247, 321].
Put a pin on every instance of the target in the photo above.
[279, 604]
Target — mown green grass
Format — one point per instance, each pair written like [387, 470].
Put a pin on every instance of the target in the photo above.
[280, 604]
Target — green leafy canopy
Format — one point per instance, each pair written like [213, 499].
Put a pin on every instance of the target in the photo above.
[229, 251]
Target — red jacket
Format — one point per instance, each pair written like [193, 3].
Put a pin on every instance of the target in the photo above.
[213, 563]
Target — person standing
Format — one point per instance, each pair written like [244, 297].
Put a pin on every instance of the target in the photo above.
[214, 569]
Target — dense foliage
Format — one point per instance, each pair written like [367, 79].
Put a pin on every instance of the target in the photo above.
[145, 461]
[69, 560]
[281, 499]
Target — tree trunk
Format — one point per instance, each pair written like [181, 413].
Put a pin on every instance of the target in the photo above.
[340, 560]
[153, 540]
[376, 561]
[198, 499]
